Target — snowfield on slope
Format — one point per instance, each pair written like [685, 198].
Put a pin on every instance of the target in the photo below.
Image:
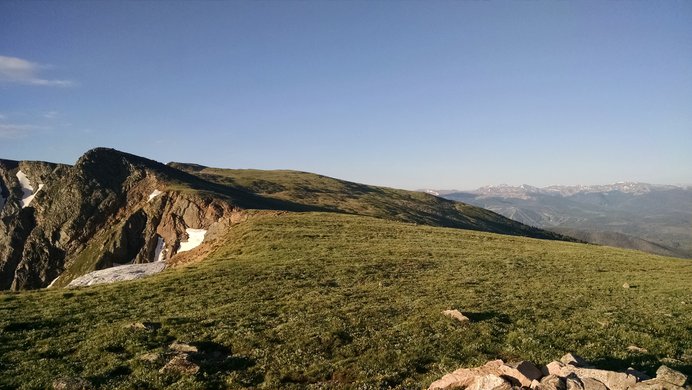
[27, 189]
[160, 251]
[137, 271]
[119, 273]
[195, 238]
[154, 194]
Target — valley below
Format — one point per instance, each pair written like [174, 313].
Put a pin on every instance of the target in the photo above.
[651, 218]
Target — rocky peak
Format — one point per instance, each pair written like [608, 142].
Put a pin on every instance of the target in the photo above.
[110, 208]
[113, 169]
[187, 166]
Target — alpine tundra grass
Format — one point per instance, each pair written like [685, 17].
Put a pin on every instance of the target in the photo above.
[327, 300]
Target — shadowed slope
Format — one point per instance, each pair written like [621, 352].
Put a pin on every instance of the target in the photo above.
[326, 193]
[618, 240]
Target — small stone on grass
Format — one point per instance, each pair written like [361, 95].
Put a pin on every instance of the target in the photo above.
[636, 349]
[180, 364]
[182, 347]
[71, 384]
[456, 314]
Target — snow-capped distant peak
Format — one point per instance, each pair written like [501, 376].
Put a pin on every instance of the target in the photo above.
[523, 191]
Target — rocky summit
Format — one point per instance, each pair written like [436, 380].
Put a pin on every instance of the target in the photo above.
[96, 214]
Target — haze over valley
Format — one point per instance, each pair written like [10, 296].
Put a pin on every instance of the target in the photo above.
[652, 218]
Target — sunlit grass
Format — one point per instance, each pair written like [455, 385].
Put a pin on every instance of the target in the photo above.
[300, 299]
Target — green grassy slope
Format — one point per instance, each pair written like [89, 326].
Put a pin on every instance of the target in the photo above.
[328, 194]
[334, 300]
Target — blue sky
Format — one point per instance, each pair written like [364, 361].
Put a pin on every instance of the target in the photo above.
[399, 93]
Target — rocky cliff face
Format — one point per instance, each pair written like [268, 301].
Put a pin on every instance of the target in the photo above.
[58, 222]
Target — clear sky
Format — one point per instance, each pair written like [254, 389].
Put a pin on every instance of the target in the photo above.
[400, 93]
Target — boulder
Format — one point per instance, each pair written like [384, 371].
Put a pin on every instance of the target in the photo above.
[456, 314]
[571, 373]
[573, 382]
[143, 326]
[669, 375]
[552, 382]
[593, 384]
[574, 360]
[464, 377]
[457, 379]
[637, 374]
[655, 384]
[489, 382]
[181, 365]
[636, 349]
[522, 373]
[71, 384]
[613, 380]
[182, 347]
[553, 368]
[151, 357]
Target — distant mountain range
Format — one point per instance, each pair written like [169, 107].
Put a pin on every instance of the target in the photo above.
[647, 217]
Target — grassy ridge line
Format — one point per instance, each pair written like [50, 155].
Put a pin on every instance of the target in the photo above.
[342, 301]
[322, 193]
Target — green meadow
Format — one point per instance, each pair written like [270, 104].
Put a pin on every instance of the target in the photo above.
[326, 300]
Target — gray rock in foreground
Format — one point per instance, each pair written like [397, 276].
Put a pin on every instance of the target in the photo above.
[571, 373]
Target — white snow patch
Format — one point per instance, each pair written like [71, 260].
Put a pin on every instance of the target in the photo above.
[27, 189]
[117, 274]
[195, 238]
[154, 194]
[53, 282]
[160, 250]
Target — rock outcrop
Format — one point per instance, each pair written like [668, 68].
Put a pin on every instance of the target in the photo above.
[570, 373]
[98, 214]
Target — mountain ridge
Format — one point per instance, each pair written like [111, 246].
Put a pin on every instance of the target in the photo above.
[523, 190]
[651, 217]
[335, 195]
[113, 208]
